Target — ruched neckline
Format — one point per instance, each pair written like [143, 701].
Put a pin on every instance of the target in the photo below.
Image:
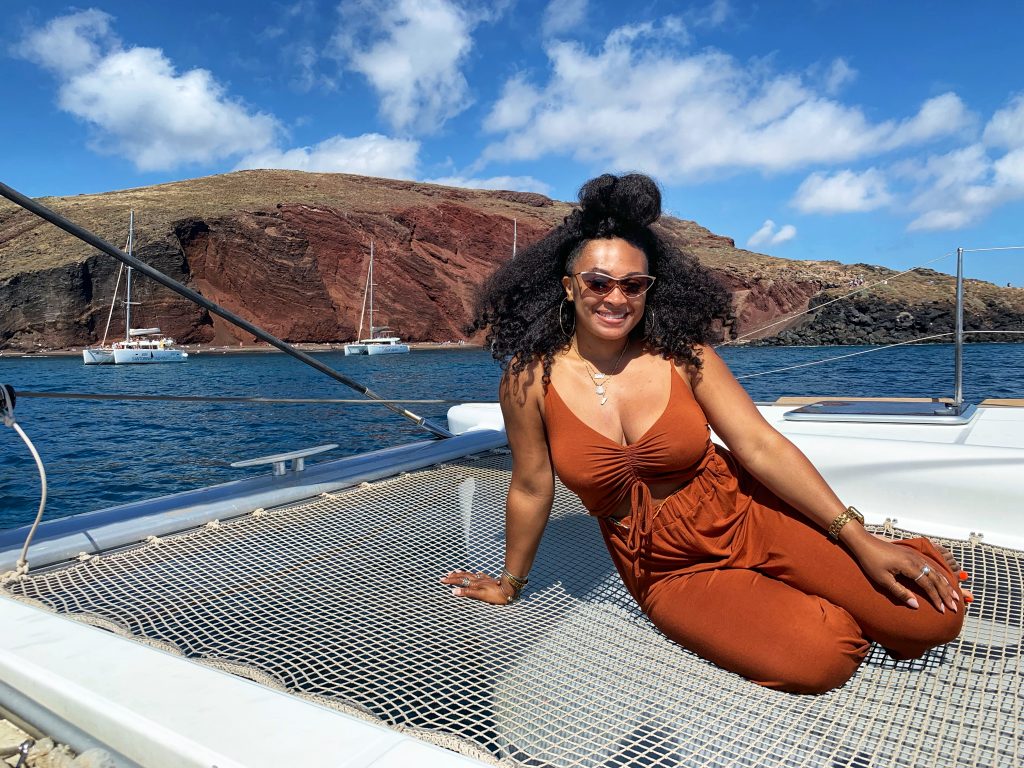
[609, 475]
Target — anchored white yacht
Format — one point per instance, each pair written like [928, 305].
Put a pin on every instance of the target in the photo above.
[378, 343]
[140, 345]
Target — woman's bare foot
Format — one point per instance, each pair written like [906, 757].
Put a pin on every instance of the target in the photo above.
[953, 565]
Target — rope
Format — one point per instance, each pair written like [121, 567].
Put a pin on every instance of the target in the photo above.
[7, 413]
[865, 352]
[113, 303]
[807, 311]
[232, 399]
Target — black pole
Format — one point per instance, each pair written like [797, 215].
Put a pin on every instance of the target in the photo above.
[97, 242]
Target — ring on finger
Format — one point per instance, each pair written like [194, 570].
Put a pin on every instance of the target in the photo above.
[925, 570]
[465, 581]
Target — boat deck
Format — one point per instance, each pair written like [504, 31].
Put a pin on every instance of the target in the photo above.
[336, 600]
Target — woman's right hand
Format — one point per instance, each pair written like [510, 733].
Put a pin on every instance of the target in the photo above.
[478, 586]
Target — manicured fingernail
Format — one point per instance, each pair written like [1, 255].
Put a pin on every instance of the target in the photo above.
[456, 591]
[912, 602]
[968, 598]
[954, 608]
[963, 576]
[942, 607]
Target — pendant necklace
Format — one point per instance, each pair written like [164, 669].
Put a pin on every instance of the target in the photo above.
[601, 380]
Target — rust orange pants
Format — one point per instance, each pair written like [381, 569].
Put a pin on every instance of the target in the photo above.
[772, 597]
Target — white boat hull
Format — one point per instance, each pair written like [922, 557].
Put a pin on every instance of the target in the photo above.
[377, 347]
[145, 356]
[98, 356]
[386, 349]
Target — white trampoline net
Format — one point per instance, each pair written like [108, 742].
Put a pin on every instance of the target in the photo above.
[337, 598]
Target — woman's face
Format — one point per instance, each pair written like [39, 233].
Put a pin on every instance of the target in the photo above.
[614, 315]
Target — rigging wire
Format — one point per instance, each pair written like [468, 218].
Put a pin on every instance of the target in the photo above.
[824, 360]
[110, 314]
[860, 289]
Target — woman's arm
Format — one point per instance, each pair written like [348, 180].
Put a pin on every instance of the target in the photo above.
[784, 469]
[531, 489]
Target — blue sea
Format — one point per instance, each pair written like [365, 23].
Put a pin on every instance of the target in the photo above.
[101, 453]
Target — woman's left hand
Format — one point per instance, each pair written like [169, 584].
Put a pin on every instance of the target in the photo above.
[893, 568]
[477, 585]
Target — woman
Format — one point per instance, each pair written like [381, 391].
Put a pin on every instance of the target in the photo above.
[745, 556]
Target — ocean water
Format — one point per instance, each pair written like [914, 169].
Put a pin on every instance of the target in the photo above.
[101, 453]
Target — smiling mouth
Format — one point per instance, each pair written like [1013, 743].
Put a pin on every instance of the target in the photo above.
[609, 315]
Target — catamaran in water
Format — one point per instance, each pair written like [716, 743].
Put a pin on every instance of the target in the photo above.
[140, 345]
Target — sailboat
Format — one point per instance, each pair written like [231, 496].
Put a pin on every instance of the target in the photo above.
[140, 345]
[378, 342]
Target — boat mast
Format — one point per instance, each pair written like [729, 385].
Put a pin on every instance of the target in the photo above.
[958, 355]
[362, 311]
[369, 287]
[128, 290]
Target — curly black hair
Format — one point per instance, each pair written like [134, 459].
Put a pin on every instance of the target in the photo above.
[521, 305]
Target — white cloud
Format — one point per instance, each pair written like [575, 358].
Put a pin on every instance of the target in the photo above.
[411, 52]
[961, 187]
[518, 101]
[940, 220]
[839, 74]
[1006, 128]
[939, 116]
[369, 155]
[563, 16]
[138, 105]
[713, 15]
[516, 183]
[842, 192]
[785, 233]
[769, 235]
[641, 102]
[965, 186]
[69, 44]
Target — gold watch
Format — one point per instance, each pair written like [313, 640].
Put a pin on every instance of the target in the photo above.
[850, 513]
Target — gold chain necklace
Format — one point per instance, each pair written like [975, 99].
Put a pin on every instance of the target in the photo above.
[601, 380]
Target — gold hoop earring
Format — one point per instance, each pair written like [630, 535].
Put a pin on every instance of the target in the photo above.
[561, 322]
[650, 322]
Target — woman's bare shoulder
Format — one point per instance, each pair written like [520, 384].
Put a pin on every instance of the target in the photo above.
[524, 386]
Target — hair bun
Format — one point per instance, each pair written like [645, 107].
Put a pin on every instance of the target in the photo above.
[630, 200]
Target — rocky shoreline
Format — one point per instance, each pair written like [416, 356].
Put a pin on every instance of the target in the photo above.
[241, 349]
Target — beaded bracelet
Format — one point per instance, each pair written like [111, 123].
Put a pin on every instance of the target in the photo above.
[848, 514]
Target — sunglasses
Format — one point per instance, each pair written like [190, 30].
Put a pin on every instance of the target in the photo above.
[631, 286]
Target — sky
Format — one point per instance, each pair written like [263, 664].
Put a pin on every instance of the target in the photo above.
[877, 132]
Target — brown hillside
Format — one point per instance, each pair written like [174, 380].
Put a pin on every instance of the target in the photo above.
[288, 250]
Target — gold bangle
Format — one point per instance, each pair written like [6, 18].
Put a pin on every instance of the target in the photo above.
[515, 581]
[509, 599]
[848, 514]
